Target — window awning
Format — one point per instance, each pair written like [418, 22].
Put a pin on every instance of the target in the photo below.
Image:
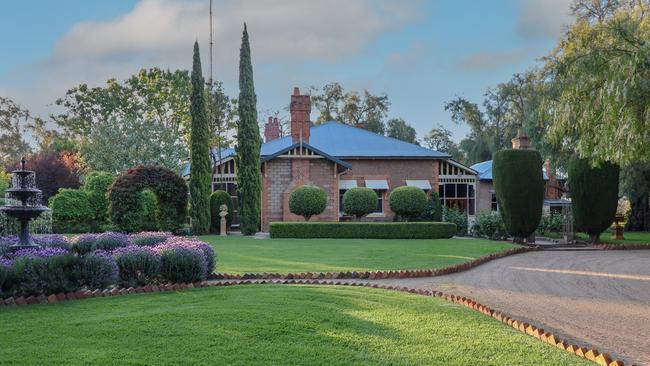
[422, 184]
[347, 183]
[377, 183]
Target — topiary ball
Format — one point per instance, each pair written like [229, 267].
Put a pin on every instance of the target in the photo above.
[308, 201]
[408, 202]
[359, 202]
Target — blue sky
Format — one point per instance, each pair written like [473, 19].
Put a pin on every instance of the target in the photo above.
[421, 53]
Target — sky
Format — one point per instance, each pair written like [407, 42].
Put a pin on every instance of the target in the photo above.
[421, 53]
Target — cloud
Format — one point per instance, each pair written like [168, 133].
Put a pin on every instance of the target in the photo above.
[403, 61]
[161, 32]
[543, 19]
[486, 61]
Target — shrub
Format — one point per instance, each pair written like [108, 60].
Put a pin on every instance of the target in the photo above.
[218, 198]
[456, 217]
[207, 250]
[96, 186]
[110, 241]
[137, 265]
[519, 187]
[170, 190]
[594, 194]
[489, 225]
[363, 230]
[551, 224]
[407, 202]
[147, 220]
[52, 241]
[433, 210]
[83, 244]
[359, 202]
[181, 263]
[5, 266]
[150, 238]
[98, 270]
[308, 201]
[43, 271]
[71, 211]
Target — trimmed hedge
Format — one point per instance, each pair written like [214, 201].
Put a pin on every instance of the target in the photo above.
[363, 230]
[519, 187]
[72, 211]
[594, 192]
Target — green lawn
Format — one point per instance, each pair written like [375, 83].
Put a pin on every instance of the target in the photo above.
[237, 254]
[632, 237]
[266, 324]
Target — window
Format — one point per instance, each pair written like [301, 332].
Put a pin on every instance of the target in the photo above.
[459, 194]
[380, 201]
[495, 204]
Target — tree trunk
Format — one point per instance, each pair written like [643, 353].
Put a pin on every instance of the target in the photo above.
[594, 238]
[639, 219]
[518, 240]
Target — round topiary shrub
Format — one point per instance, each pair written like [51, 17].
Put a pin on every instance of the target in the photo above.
[359, 202]
[308, 201]
[96, 185]
[137, 265]
[71, 211]
[519, 187]
[407, 202]
[125, 199]
[218, 198]
[594, 196]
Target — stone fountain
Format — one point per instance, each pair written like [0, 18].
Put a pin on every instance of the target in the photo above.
[23, 203]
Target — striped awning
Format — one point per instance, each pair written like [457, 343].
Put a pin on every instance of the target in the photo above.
[422, 184]
[347, 183]
[377, 183]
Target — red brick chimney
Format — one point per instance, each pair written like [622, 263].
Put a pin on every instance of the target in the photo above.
[300, 111]
[271, 130]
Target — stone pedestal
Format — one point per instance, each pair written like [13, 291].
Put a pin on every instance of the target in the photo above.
[223, 212]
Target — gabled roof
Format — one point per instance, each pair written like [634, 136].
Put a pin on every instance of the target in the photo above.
[484, 170]
[309, 147]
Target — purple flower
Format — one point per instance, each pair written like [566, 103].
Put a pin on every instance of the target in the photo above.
[5, 262]
[150, 238]
[38, 252]
[84, 243]
[52, 240]
[194, 246]
[205, 248]
[112, 240]
[133, 249]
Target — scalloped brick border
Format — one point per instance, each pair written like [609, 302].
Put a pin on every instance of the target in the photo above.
[594, 355]
[375, 274]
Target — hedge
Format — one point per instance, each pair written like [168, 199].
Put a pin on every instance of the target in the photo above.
[363, 230]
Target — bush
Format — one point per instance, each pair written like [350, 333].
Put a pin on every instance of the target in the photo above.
[359, 202]
[181, 263]
[83, 244]
[137, 265]
[205, 248]
[433, 210]
[96, 186]
[551, 224]
[125, 199]
[456, 217]
[218, 198]
[408, 202]
[43, 271]
[71, 211]
[5, 266]
[363, 230]
[150, 238]
[51, 241]
[98, 270]
[147, 220]
[308, 201]
[489, 225]
[519, 187]
[110, 241]
[594, 195]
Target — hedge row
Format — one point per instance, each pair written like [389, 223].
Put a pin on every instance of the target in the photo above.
[363, 230]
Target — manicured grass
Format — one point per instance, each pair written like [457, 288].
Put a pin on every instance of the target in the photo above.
[631, 237]
[270, 325]
[237, 254]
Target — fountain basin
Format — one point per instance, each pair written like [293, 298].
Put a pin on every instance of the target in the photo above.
[25, 212]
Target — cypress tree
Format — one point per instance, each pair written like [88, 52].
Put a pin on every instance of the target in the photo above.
[249, 179]
[200, 169]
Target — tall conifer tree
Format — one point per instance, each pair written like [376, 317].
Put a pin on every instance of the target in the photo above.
[200, 169]
[249, 179]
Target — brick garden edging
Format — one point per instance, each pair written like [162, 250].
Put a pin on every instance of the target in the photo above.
[375, 275]
[594, 355]
[606, 246]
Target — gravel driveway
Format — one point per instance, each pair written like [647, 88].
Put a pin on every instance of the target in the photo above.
[592, 298]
